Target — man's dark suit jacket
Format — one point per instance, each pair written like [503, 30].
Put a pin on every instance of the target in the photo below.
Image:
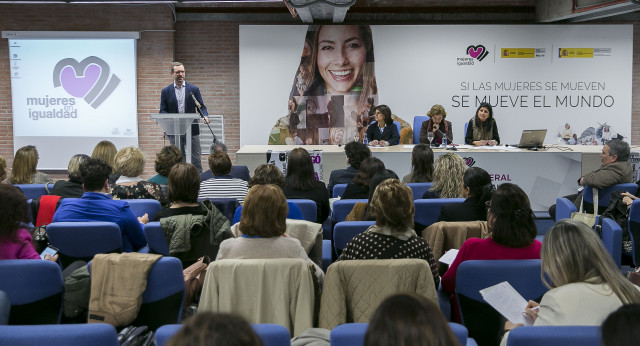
[341, 176]
[238, 172]
[169, 103]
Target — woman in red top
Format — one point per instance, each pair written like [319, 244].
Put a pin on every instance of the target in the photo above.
[510, 219]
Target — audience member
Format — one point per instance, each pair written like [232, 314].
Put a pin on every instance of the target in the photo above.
[421, 165]
[301, 183]
[129, 163]
[392, 236]
[510, 219]
[182, 190]
[360, 211]
[621, 328]
[15, 240]
[71, 188]
[409, 319]
[447, 177]
[359, 188]
[166, 158]
[356, 152]
[97, 204]
[436, 125]
[238, 172]
[263, 225]
[222, 185]
[106, 151]
[266, 174]
[3, 169]
[23, 170]
[477, 189]
[215, 329]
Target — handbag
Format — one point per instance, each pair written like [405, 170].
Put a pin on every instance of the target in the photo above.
[194, 279]
[581, 215]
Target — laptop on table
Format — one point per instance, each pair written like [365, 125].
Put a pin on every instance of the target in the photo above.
[532, 139]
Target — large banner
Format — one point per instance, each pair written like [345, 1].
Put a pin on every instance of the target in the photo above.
[573, 80]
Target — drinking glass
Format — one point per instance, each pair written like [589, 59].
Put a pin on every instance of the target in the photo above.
[430, 137]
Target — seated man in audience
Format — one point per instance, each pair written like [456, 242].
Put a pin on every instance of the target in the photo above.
[222, 185]
[356, 153]
[238, 172]
[97, 204]
[615, 169]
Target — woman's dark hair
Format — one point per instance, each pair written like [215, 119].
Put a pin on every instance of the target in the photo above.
[215, 329]
[356, 153]
[621, 327]
[184, 183]
[489, 122]
[300, 174]
[479, 183]
[513, 225]
[13, 210]
[408, 319]
[267, 174]
[386, 111]
[422, 164]
[368, 168]
[166, 158]
[373, 183]
[219, 163]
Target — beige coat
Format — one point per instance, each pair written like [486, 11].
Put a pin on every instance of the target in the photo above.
[443, 236]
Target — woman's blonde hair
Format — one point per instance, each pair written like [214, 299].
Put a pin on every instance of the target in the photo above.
[105, 151]
[24, 165]
[437, 109]
[448, 176]
[129, 161]
[264, 212]
[392, 205]
[572, 252]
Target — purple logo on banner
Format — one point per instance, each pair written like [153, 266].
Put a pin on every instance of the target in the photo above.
[477, 52]
[469, 161]
[88, 79]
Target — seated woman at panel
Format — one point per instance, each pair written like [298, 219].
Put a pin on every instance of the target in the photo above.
[436, 125]
[585, 284]
[392, 236]
[359, 188]
[477, 189]
[482, 128]
[15, 240]
[166, 158]
[106, 151]
[301, 183]
[263, 224]
[447, 177]
[360, 211]
[266, 174]
[23, 170]
[408, 319]
[73, 187]
[129, 163]
[421, 165]
[510, 219]
[383, 132]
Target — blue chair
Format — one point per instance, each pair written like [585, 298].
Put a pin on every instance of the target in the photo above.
[5, 308]
[428, 210]
[34, 288]
[612, 239]
[564, 208]
[348, 334]
[604, 195]
[83, 240]
[417, 126]
[345, 230]
[308, 207]
[466, 126]
[326, 254]
[634, 231]
[33, 191]
[155, 238]
[482, 321]
[343, 207]
[338, 190]
[165, 333]
[94, 334]
[555, 336]
[418, 189]
[272, 334]
[140, 207]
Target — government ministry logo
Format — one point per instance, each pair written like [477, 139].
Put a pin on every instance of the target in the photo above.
[90, 79]
[477, 52]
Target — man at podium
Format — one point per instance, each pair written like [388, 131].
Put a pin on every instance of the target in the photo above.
[179, 98]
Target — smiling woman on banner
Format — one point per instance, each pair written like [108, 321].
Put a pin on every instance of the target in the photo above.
[482, 129]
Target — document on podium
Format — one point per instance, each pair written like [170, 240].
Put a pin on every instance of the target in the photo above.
[508, 302]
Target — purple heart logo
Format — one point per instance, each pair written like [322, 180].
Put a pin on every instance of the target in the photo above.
[469, 161]
[79, 85]
[475, 51]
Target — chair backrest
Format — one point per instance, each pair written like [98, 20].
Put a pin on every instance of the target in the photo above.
[345, 230]
[270, 334]
[82, 240]
[418, 189]
[33, 191]
[634, 231]
[342, 208]
[564, 208]
[466, 126]
[227, 206]
[165, 333]
[604, 195]
[5, 308]
[308, 207]
[338, 190]
[612, 239]
[349, 334]
[34, 288]
[95, 334]
[461, 333]
[482, 321]
[398, 126]
[140, 207]
[555, 336]
[155, 238]
[428, 210]
[417, 126]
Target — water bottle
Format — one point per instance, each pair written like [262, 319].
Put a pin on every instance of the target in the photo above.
[365, 140]
[444, 142]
